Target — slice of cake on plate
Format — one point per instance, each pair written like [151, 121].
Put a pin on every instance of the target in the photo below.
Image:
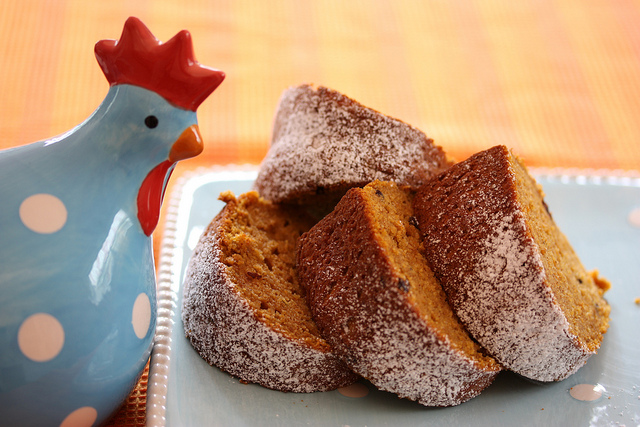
[510, 274]
[243, 308]
[324, 143]
[376, 301]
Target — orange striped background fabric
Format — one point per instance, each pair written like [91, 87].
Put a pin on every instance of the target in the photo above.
[556, 80]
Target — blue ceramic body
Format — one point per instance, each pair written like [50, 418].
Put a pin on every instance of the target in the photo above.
[94, 277]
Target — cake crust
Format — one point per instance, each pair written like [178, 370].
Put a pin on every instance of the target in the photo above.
[509, 273]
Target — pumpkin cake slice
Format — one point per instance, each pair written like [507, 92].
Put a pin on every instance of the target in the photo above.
[376, 301]
[510, 274]
[243, 308]
[324, 143]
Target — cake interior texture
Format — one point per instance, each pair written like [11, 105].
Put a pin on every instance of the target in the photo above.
[396, 227]
[578, 293]
[259, 250]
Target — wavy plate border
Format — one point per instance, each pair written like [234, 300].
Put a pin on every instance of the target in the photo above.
[168, 280]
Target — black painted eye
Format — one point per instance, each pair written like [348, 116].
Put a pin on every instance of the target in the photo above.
[151, 121]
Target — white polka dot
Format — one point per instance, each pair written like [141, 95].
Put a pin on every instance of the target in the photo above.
[83, 417]
[141, 315]
[43, 213]
[587, 392]
[634, 218]
[354, 390]
[41, 337]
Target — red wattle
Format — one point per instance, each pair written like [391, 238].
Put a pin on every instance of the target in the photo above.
[151, 194]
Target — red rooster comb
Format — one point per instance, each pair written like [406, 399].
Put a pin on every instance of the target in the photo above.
[169, 69]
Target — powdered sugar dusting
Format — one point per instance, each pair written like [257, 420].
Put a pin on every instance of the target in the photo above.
[323, 139]
[224, 330]
[504, 256]
[401, 354]
[511, 311]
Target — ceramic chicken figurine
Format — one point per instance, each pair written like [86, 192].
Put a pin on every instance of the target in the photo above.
[77, 279]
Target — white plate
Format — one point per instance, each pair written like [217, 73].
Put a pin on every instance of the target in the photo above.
[599, 214]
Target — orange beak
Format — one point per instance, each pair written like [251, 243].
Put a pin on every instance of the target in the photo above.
[189, 144]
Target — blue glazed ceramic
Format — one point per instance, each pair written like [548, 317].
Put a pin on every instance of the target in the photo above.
[77, 277]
